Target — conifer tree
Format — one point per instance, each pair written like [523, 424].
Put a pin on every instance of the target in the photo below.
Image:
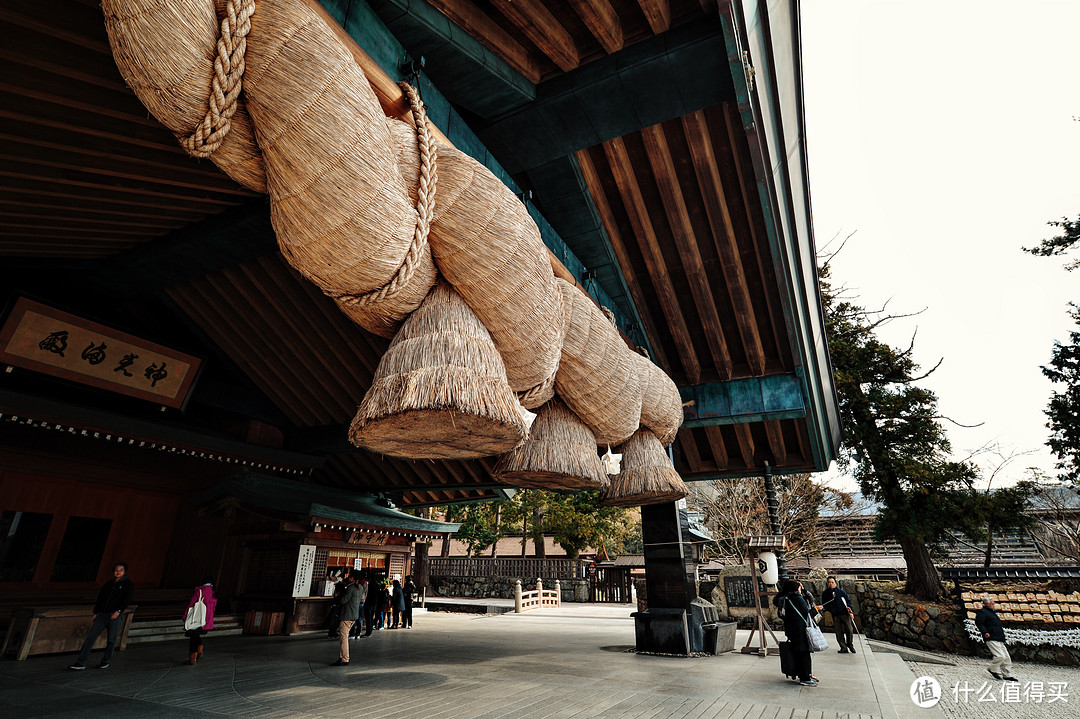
[895, 443]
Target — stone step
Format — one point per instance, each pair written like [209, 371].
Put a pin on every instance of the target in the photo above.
[159, 636]
[161, 630]
[908, 654]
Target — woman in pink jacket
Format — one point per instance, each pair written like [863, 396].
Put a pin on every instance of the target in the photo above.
[195, 641]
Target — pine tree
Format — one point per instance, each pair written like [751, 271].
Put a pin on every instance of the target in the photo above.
[1063, 411]
[896, 444]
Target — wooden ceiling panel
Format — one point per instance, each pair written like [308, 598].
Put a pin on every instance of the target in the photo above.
[543, 39]
[679, 218]
[76, 142]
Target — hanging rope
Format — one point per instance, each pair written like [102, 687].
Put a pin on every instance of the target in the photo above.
[425, 206]
[227, 82]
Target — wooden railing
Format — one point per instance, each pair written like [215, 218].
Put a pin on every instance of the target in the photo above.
[536, 598]
[504, 567]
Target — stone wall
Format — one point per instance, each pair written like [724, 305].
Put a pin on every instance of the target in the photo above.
[883, 613]
[573, 590]
[887, 615]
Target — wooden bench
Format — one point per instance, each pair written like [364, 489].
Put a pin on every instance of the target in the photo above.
[56, 629]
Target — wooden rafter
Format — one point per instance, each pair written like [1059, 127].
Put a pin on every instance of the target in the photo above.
[667, 181]
[690, 450]
[715, 437]
[607, 217]
[545, 31]
[227, 337]
[638, 214]
[745, 183]
[658, 13]
[775, 434]
[603, 22]
[473, 21]
[746, 443]
[723, 232]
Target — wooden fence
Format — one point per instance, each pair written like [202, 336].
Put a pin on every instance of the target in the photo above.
[500, 567]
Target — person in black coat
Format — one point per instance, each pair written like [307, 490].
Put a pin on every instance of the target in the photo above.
[372, 604]
[409, 590]
[795, 611]
[112, 600]
[993, 633]
[836, 602]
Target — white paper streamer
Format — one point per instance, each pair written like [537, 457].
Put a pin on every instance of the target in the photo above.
[1032, 637]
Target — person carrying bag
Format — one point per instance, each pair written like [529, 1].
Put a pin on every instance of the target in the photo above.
[199, 618]
[796, 625]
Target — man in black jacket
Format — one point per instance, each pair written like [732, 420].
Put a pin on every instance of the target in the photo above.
[989, 624]
[836, 602]
[112, 600]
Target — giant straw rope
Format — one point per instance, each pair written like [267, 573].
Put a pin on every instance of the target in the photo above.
[353, 202]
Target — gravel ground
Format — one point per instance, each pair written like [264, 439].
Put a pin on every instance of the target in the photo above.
[969, 692]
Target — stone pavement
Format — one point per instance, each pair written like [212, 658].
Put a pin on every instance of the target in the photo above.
[969, 692]
[553, 663]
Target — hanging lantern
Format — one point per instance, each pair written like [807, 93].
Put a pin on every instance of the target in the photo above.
[768, 568]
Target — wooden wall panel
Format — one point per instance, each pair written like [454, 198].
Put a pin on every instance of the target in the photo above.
[142, 523]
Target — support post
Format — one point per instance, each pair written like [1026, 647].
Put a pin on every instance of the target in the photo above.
[517, 596]
[773, 505]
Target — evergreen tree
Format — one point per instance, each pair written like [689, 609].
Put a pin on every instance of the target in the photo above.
[1063, 412]
[895, 443]
[1060, 244]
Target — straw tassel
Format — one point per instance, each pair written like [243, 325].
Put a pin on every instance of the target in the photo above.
[440, 390]
[647, 476]
[560, 453]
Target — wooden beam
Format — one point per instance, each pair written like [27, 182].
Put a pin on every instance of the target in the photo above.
[667, 181]
[657, 13]
[638, 213]
[715, 437]
[477, 24]
[689, 450]
[723, 235]
[775, 433]
[257, 343]
[295, 329]
[742, 166]
[545, 31]
[746, 443]
[349, 343]
[603, 22]
[618, 244]
[227, 338]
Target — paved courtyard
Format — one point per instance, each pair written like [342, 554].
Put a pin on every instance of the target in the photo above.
[552, 663]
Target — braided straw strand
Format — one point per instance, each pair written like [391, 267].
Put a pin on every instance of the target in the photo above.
[227, 82]
[425, 206]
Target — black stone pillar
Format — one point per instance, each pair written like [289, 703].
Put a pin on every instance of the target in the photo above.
[676, 621]
[669, 568]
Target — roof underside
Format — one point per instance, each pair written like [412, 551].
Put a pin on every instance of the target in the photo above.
[102, 214]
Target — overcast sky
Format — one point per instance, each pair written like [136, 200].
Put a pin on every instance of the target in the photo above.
[943, 135]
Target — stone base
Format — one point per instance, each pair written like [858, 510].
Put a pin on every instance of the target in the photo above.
[662, 631]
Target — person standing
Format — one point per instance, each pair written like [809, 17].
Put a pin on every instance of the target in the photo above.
[397, 602]
[350, 612]
[372, 606]
[836, 602]
[409, 590]
[204, 591]
[362, 585]
[993, 633]
[796, 615]
[112, 600]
